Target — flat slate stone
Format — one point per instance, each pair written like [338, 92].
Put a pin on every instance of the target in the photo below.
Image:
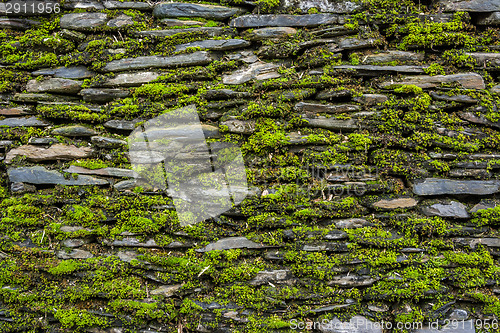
[466, 81]
[103, 95]
[54, 85]
[473, 242]
[270, 33]
[83, 21]
[215, 44]
[179, 23]
[131, 79]
[351, 223]
[42, 141]
[74, 254]
[40, 175]
[240, 126]
[104, 142]
[16, 24]
[332, 123]
[181, 9]
[120, 21]
[76, 72]
[32, 97]
[457, 98]
[82, 4]
[371, 99]
[469, 5]
[23, 122]
[74, 130]
[283, 20]
[453, 209]
[390, 56]
[258, 71]
[209, 31]
[489, 19]
[124, 125]
[486, 58]
[54, 152]
[372, 70]
[231, 243]
[127, 5]
[354, 43]
[325, 6]
[352, 281]
[326, 108]
[477, 118]
[437, 186]
[396, 203]
[108, 172]
[193, 59]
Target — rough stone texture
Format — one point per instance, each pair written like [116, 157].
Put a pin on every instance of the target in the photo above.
[231, 243]
[257, 21]
[396, 203]
[329, 6]
[466, 81]
[54, 85]
[180, 9]
[74, 131]
[489, 19]
[77, 72]
[42, 176]
[131, 79]
[258, 71]
[435, 186]
[214, 44]
[193, 59]
[83, 21]
[271, 33]
[23, 122]
[453, 209]
[469, 5]
[54, 152]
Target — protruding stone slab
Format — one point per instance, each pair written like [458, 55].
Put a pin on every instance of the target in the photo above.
[352, 281]
[332, 123]
[390, 56]
[396, 203]
[453, 209]
[104, 142]
[40, 175]
[181, 9]
[372, 70]
[77, 72]
[282, 20]
[482, 6]
[137, 5]
[54, 152]
[325, 108]
[486, 58]
[215, 44]
[325, 6]
[465, 80]
[131, 79]
[166, 291]
[192, 59]
[371, 99]
[258, 71]
[231, 243]
[103, 95]
[54, 85]
[271, 33]
[74, 254]
[122, 125]
[83, 21]
[74, 130]
[240, 126]
[107, 172]
[23, 122]
[352, 223]
[437, 186]
[209, 31]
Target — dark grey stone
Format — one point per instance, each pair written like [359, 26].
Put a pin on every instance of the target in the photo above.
[74, 130]
[192, 59]
[332, 123]
[453, 209]
[215, 44]
[437, 186]
[40, 175]
[466, 80]
[120, 21]
[270, 33]
[232, 243]
[181, 9]
[77, 72]
[125, 125]
[325, 108]
[54, 85]
[239, 126]
[209, 31]
[104, 142]
[83, 21]
[23, 122]
[457, 98]
[352, 281]
[354, 43]
[390, 56]
[103, 95]
[326, 6]
[282, 20]
[469, 5]
[372, 70]
[371, 99]
[107, 172]
[42, 141]
[476, 118]
[74, 254]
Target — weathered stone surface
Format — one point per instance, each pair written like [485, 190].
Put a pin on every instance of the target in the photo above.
[120, 21]
[123, 125]
[77, 72]
[137, 5]
[258, 71]
[131, 79]
[23, 122]
[476, 118]
[54, 152]
[179, 23]
[42, 141]
[209, 31]
[332, 123]
[392, 55]
[166, 291]
[108, 172]
[473, 242]
[274, 276]
[351, 223]
[31, 98]
[281, 20]
[489, 19]
[181, 9]
[469, 5]
[325, 108]
[495, 89]
[104, 142]
[372, 70]
[131, 242]
[215, 44]
[354, 43]
[357, 324]
[15, 111]
[327, 6]
[453, 209]
[333, 94]
[74, 130]
[82, 4]
[371, 99]
[54, 85]
[83, 21]
[216, 94]
[352, 281]
[74, 242]
[74, 254]
[40, 175]
[486, 58]
[396, 203]
[231, 243]
[16, 24]
[457, 98]
[192, 59]
[465, 80]
[240, 126]
[438, 186]
[271, 33]
[103, 95]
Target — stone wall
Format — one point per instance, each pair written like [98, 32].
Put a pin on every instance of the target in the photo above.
[370, 134]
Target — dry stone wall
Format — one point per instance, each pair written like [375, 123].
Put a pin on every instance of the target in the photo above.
[370, 134]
